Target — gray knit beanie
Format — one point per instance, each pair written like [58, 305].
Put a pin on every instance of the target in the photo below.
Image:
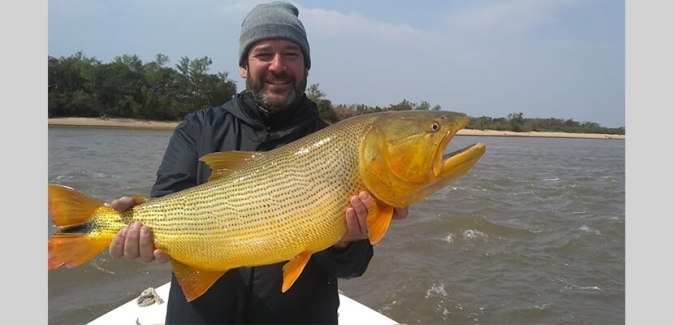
[273, 20]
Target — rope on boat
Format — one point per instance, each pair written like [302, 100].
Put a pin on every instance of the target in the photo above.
[149, 297]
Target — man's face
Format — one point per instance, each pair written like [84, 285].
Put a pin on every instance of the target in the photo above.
[275, 74]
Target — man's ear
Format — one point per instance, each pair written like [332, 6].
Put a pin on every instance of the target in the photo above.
[306, 72]
[244, 71]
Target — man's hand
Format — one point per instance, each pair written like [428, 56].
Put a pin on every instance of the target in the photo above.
[134, 241]
[356, 219]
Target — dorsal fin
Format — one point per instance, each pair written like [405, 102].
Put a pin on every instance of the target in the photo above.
[222, 163]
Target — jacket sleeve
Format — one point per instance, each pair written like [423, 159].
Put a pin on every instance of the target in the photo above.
[178, 168]
[350, 262]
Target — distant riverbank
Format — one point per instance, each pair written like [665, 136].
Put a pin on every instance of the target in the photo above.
[158, 125]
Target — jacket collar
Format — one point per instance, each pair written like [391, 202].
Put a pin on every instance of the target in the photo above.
[248, 112]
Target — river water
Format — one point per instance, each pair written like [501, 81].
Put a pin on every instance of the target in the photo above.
[533, 234]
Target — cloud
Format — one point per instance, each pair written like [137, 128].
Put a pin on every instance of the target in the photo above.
[322, 23]
[332, 24]
[239, 6]
[506, 17]
[488, 58]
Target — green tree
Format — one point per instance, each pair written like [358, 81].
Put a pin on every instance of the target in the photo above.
[405, 105]
[325, 109]
[423, 106]
[481, 123]
[516, 121]
[217, 89]
[314, 93]
[65, 77]
[197, 88]
[161, 91]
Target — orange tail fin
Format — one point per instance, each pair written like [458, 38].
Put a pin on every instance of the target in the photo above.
[72, 250]
[69, 208]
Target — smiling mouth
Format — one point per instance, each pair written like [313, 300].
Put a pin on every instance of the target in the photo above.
[277, 83]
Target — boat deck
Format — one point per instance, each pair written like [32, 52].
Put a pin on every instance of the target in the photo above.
[350, 312]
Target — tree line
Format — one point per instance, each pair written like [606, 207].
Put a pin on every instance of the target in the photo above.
[81, 86]
[126, 87]
[517, 123]
[513, 122]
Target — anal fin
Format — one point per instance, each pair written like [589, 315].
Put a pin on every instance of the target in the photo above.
[293, 269]
[193, 282]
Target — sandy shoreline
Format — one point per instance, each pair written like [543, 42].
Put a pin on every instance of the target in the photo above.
[156, 125]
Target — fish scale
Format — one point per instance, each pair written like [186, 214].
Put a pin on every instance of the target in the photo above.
[239, 220]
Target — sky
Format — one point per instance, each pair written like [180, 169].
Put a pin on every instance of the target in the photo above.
[543, 58]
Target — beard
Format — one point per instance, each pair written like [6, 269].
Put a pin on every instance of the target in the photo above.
[271, 103]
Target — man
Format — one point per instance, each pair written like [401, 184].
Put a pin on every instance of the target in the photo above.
[272, 111]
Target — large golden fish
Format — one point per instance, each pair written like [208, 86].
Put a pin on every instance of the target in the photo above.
[260, 208]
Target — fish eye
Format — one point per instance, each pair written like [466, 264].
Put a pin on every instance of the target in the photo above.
[435, 126]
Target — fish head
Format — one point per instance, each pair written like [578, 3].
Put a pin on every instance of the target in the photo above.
[402, 155]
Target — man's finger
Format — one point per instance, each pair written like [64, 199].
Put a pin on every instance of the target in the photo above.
[146, 244]
[116, 249]
[161, 257]
[131, 242]
[122, 204]
[400, 213]
[352, 225]
[364, 201]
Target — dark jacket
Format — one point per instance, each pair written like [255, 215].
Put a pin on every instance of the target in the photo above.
[252, 295]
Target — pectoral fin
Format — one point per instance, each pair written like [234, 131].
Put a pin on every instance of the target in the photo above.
[293, 269]
[378, 220]
[194, 282]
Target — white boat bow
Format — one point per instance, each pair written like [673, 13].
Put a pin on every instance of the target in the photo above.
[350, 312]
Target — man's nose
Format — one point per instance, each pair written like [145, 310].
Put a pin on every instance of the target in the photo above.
[277, 64]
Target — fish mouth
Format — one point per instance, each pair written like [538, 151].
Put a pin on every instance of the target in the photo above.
[457, 152]
[458, 162]
[450, 166]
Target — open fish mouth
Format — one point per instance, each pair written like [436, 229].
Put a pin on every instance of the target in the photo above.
[457, 152]
[458, 162]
